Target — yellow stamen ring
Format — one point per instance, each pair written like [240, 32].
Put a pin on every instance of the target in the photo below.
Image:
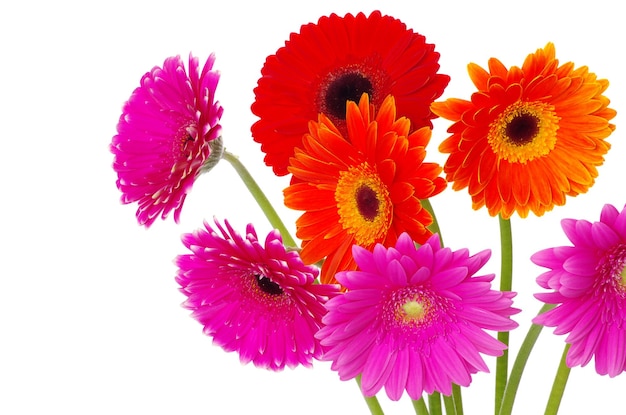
[524, 131]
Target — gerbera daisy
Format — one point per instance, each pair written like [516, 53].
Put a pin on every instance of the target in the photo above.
[164, 136]
[361, 189]
[255, 298]
[588, 283]
[529, 136]
[336, 60]
[414, 319]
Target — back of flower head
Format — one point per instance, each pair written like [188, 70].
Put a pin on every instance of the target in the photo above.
[168, 130]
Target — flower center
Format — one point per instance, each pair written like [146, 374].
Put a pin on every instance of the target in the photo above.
[345, 87]
[524, 131]
[612, 269]
[267, 285]
[367, 202]
[408, 310]
[413, 311]
[183, 151]
[364, 204]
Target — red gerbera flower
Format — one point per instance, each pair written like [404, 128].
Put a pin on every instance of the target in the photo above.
[361, 189]
[336, 60]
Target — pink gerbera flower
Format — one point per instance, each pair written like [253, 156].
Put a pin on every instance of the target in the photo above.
[257, 299]
[414, 319]
[164, 136]
[588, 280]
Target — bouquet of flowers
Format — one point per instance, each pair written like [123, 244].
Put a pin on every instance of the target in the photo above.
[345, 109]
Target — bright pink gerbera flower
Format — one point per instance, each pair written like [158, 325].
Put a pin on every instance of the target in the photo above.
[253, 298]
[414, 318]
[164, 135]
[588, 281]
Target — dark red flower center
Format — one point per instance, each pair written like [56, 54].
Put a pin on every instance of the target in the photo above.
[345, 87]
[367, 202]
[267, 285]
[522, 129]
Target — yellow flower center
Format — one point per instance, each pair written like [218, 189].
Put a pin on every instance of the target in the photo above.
[364, 204]
[623, 275]
[524, 131]
[413, 310]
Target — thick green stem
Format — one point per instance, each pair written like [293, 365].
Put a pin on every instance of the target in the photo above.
[520, 363]
[506, 284]
[260, 198]
[420, 407]
[458, 400]
[558, 387]
[434, 403]
[371, 401]
[448, 403]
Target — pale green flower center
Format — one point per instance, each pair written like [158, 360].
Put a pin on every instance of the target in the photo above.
[413, 310]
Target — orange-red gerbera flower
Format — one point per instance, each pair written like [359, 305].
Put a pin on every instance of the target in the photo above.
[529, 136]
[361, 189]
[336, 60]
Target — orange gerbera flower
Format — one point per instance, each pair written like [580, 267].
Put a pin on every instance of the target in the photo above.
[529, 136]
[362, 189]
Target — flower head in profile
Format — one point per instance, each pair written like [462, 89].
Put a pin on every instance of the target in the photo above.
[414, 319]
[164, 136]
[336, 60]
[254, 298]
[529, 137]
[364, 188]
[587, 280]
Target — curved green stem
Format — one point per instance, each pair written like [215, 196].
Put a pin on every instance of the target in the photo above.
[558, 387]
[434, 403]
[371, 401]
[520, 363]
[434, 227]
[420, 407]
[260, 198]
[506, 284]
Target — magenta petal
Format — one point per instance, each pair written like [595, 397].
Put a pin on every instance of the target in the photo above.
[403, 333]
[256, 299]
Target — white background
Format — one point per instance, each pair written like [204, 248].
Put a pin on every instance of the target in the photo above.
[90, 315]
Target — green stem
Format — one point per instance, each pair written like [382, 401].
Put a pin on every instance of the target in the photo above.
[434, 403]
[371, 401]
[260, 198]
[420, 407]
[434, 227]
[520, 363]
[558, 387]
[448, 403]
[458, 400]
[506, 284]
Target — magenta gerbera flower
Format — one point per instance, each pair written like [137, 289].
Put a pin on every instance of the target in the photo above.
[414, 319]
[257, 299]
[588, 280]
[164, 136]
